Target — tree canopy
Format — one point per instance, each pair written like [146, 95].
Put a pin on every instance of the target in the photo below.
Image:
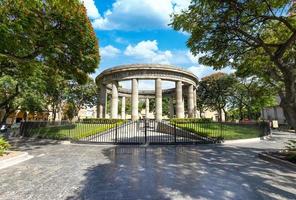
[255, 37]
[214, 90]
[43, 42]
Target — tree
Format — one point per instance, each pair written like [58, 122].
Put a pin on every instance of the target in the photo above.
[200, 105]
[214, 91]
[69, 110]
[55, 92]
[255, 37]
[20, 91]
[248, 96]
[78, 96]
[51, 35]
[166, 105]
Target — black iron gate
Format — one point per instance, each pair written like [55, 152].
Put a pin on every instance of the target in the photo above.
[144, 132]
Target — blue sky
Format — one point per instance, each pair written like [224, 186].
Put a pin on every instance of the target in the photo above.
[137, 31]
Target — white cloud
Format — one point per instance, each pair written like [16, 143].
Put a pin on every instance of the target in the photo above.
[180, 5]
[121, 40]
[135, 14]
[92, 10]
[202, 71]
[148, 51]
[109, 51]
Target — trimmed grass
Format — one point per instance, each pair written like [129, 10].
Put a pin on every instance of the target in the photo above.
[229, 132]
[4, 145]
[73, 131]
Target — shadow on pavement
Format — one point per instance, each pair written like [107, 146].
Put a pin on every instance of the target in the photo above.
[186, 172]
[28, 144]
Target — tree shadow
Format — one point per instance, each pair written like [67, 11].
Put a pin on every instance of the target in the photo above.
[29, 143]
[186, 172]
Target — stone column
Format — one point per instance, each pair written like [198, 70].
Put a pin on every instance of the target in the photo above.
[194, 103]
[106, 104]
[158, 100]
[147, 108]
[135, 100]
[179, 100]
[114, 101]
[101, 102]
[123, 108]
[171, 107]
[190, 100]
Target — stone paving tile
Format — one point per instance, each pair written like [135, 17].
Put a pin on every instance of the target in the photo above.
[147, 172]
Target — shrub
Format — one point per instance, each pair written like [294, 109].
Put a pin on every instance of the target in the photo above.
[4, 145]
[102, 121]
[291, 148]
[291, 145]
[189, 120]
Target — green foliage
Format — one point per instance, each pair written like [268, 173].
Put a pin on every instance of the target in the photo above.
[248, 97]
[22, 91]
[4, 145]
[152, 103]
[214, 91]
[291, 145]
[257, 38]
[54, 32]
[291, 148]
[43, 45]
[70, 110]
[189, 120]
[79, 96]
[102, 121]
[166, 106]
[8, 88]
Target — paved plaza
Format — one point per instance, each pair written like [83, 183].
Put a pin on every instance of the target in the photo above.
[60, 171]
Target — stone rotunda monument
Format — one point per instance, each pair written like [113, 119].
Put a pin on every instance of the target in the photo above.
[185, 86]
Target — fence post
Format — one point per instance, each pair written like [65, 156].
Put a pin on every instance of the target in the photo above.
[116, 133]
[221, 127]
[175, 133]
[69, 125]
[145, 130]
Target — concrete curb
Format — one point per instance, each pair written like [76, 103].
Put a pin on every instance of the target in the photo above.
[23, 156]
[266, 157]
[258, 139]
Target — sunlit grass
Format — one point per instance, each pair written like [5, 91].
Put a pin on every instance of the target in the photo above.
[228, 132]
[71, 131]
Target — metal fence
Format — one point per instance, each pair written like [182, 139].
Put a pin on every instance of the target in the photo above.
[104, 131]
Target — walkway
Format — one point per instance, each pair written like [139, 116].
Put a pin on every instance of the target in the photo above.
[152, 172]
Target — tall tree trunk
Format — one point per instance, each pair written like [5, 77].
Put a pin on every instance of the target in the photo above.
[241, 116]
[289, 112]
[54, 112]
[25, 115]
[200, 112]
[220, 115]
[8, 111]
[226, 114]
[288, 98]
[249, 112]
[3, 121]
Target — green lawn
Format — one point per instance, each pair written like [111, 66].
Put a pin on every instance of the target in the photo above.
[229, 132]
[74, 131]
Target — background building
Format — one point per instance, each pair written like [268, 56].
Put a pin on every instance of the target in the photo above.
[274, 113]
